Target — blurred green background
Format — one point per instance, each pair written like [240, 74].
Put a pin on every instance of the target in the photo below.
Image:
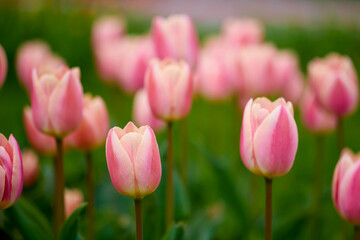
[220, 199]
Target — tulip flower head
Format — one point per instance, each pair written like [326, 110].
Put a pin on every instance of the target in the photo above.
[106, 30]
[133, 160]
[346, 186]
[11, 171]
[73, 198]
[30, 166]
[269, 137]
[3, 65]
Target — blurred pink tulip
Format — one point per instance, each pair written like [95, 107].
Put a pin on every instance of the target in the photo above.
[133, 160]
[142, 114]
[73, 198]
[31, 167]
[106, 30]
[11, 171]
[107, 59]
[242, 32]
[94, 125]
[314, 116]
[269, 137]
[169, 85]
[3, 65]
[175, 37]
[57, 102]
[41, 142]
[335, 83]
[346, 186]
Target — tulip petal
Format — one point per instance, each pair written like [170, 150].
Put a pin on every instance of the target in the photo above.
[2, 182]
[5, 164]
[17, 170]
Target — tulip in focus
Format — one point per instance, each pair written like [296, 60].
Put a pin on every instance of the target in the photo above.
[346, 186]
[11, 171]
[57, 102]
[242, 32]
[335, 83]
[73, 198]
[142, 114]
[3, 65]
[133, 160]
[175, 37]
[169, 85]
[94, 125]
[269, 137]
[30, 166]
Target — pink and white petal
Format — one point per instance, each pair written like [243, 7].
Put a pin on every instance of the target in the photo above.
[17, 170]
[2, 182]
[5, 163]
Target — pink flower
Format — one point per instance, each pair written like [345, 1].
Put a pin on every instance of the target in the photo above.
[57, 102]
[31, 167]
[3, 65]
[346, 186]
[94, 125]
[11, 171]
[314, 116]
[142, 114]
[169, 85]
[335, 83]
[133, 160]
[73, 198]
[175, 37]
[269, 137]
[106, 30]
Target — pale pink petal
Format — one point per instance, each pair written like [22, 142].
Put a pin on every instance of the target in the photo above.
[17, 170]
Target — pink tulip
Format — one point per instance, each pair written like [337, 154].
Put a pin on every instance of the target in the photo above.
[314, 116]
[346, 186]
[133, 160]
[3, 65]
[41, 142]
[31, 167]
[269, 137]
[175, 37]
[142, 114]
[136, 53]
[73, 198]
[57, 102]
[107, 59]
[335, 83]
[11, 171]
[94, 125]
[242, 32]
[106, 30]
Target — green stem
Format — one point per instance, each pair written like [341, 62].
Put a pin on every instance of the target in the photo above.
[169, 179]
[341, 134]
[138, 217]
[90, 193]
[268, 209]
[59, 213]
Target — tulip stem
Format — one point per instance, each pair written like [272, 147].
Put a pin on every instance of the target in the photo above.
[341, 134]
[268, 209]
[90, 193]
[138, 217]
[59, 213]
[169, 179]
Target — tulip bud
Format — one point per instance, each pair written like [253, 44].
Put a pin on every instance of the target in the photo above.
[335, 83]
[269, 137]
[94, 125]
[30, 166]
[57, 102]
[73, 198]
[106, 30]
[142, 114]
[346, 186]
[314, 116]
[11, 171]
[175, 37]
[169, 86]
[3, 65]
[133, 160]
[242, 32]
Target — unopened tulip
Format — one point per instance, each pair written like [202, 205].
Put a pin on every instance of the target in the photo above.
[175, 37]
[11, 171]
[106, 30]
[142, 114]
[314, 116]
[242, 32]
[346, 186]
[94, 125]
[269, 137]
[335, 83]
[3, 65]
[133, 160]
[57, 102]
[30, 166]
[73, 198]
[169, 85]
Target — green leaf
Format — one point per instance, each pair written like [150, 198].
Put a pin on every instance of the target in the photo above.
[69, 231]
[182, 202]
[29, 220]
[176, 232]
